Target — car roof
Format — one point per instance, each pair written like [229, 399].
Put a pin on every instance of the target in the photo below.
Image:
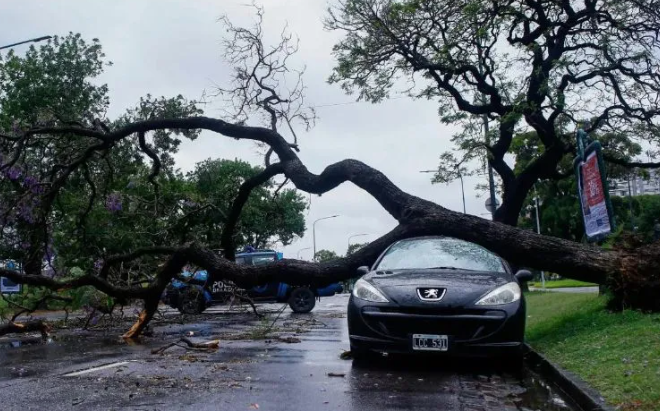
[256, 253]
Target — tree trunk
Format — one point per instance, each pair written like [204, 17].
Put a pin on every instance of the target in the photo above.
[147, 313]
[631, 274]
[26, 327]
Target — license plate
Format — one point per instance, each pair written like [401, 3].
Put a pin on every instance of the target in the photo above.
[430, 342]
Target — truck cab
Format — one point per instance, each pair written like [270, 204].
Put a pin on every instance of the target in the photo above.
[194, 293]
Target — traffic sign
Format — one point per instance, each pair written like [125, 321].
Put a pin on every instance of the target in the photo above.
[489, 206]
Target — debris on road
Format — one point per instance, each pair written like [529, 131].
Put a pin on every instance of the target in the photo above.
[206, 346]
[26, 327]
[336, 374]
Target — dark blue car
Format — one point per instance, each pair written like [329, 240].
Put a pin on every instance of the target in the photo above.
[195, 296]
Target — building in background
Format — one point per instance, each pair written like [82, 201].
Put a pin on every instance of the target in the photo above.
[637, 185]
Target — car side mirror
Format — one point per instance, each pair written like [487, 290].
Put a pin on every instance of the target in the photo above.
[524, 275]
[363, 270]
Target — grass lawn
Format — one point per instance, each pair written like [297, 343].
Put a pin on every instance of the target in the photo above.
[566, 283]
[616, 353]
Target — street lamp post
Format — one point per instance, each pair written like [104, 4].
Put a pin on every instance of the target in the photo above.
[353, 236]
[301, 250]
[460, 176]
[314, 231]
[27, 41]
[538, 231]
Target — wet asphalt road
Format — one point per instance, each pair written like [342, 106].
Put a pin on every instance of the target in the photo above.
[291, 369]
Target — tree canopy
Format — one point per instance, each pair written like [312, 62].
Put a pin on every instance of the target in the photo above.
[520, 66]
[272, 214]
[325, 256]
[70, 203]
[354, 247]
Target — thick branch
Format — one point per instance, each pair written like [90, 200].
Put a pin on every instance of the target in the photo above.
[630, 164]
[227, 239]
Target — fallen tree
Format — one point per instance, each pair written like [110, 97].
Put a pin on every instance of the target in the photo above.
[631, 273]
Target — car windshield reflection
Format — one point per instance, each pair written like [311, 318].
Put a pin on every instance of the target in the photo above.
[440, 253]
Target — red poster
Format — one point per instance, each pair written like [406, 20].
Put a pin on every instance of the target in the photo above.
[592, 197]
[593, 185]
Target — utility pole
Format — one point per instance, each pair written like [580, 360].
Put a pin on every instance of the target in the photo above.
[460, 176]
[38, 39]
[630, 205]
[484, 117]
[538, 230]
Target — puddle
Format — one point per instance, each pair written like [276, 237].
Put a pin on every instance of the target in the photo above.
[543, 396]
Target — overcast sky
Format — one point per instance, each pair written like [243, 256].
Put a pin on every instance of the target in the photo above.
[167, 47]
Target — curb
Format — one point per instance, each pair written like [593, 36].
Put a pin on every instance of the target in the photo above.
[585, 397]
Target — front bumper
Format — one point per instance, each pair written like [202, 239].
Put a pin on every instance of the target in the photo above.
[477, 332]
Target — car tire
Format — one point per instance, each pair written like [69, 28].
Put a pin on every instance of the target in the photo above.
[302, 300]
[191, 301]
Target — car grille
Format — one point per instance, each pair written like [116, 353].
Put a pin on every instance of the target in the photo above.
[461, 325]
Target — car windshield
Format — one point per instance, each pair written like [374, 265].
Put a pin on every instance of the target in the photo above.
[255, 259]
[450, 253]
[262, 259]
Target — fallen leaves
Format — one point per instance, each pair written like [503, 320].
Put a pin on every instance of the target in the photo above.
[203, 346]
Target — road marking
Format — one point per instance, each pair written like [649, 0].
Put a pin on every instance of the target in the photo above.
[99, 368]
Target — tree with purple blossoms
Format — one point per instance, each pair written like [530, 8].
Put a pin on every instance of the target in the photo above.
[65, 223]
[83, 171]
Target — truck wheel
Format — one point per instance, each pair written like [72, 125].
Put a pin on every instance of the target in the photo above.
[192, 301]
[302, 300]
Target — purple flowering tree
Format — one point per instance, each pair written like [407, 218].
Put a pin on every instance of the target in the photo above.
[110, 230]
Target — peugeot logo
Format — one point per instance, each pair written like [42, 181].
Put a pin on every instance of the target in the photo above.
[431, 294]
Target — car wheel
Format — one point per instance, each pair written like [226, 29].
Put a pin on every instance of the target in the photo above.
[192, 302]
[302, 300]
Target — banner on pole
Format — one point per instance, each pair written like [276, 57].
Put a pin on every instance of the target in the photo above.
[594, 198]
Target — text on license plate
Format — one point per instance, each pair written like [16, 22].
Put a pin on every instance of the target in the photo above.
[430, 342]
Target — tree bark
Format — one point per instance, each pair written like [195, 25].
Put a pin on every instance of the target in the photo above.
[227, 239]
[170, 269]
[147, 313]
[26, 327]
[631, 274]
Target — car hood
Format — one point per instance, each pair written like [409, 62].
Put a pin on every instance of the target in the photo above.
[463, 287]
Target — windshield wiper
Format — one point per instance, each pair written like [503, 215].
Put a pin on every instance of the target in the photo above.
[450, 268]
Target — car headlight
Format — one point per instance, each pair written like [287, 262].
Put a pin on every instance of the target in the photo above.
[505, 294]
[368, 292]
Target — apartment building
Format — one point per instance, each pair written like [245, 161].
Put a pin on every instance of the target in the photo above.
[637, 185]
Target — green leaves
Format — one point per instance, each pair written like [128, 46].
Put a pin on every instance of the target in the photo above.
[325, 255]
[32, 86]
[268, 216]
